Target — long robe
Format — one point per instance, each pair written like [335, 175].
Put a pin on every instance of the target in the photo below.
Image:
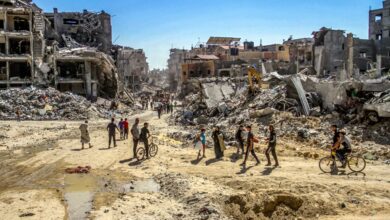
[217, 146]
[85, 139]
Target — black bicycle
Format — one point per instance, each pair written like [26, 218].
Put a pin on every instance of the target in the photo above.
[153, 149]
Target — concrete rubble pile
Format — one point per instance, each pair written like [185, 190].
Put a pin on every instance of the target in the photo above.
[281, 105]
[49, 104]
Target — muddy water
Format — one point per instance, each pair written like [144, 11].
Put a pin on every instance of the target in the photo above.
[144, 186]
[79, 192]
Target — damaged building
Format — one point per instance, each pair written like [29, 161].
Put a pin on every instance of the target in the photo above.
[175, 61]
[19, 44]
[132, 66]
[68, 51]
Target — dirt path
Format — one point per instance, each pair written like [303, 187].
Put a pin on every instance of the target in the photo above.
[172, 185]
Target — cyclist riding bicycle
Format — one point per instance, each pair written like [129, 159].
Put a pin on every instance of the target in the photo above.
[342, 147]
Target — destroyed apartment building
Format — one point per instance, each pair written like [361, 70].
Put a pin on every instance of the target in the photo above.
[69, 51]
[132, 66]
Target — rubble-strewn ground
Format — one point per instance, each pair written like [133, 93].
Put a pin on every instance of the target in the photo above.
[33, 184]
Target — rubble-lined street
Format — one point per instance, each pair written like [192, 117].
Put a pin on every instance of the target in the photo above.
[174, 185]
[115, 112]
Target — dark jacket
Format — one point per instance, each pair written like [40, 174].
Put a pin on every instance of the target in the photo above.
[239, 135]
[272, 139]
[144, 134]
[111, 128]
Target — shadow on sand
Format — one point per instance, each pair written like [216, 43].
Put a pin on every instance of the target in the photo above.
[135, 163]
[244, 169]
[196, 161]
[267, 171]
[211, 161]
[126, 160]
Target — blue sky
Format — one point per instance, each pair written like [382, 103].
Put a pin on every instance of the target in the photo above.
[158, 25]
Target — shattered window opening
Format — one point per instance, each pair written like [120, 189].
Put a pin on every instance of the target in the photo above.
[3, 71]
[2, 48]
[71, 70]
[378, 18]
[19, 70]
[21, 24]
[71, 21]
[19, 46]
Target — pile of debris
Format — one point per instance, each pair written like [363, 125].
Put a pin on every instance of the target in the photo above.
[49, 104]
[301, 107]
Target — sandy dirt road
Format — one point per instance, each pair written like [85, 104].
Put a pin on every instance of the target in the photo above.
[173, 185]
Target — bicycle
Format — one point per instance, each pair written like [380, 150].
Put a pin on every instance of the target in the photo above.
[141, 152]
[356, 163]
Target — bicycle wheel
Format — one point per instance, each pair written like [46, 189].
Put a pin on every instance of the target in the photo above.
[326, 164]
[356, 163]
[140, 154]
[153, 150]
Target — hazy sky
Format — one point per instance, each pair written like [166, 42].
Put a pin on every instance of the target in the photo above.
[158, 25]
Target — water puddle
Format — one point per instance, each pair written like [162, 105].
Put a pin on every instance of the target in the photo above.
[145, 186]
[79, 192]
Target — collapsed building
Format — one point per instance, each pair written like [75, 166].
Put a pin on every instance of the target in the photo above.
[132, 66]
[69, 51]
[333, 75]
[176, 59]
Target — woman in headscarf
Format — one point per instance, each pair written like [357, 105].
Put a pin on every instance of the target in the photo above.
[218, 143]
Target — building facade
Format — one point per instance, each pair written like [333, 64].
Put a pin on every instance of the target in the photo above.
[132, 67]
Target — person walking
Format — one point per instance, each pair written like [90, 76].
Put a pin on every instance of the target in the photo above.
[135, 133]
[171, 107]
[166, 107]
[202, 139]
[250, 146]
[85, 138]
[111, 128]
[144, 137]
[121, 129]
[240, 140]
[17, 112]
[271, 146]
[159, 111]
[218, 143]
[126, 129]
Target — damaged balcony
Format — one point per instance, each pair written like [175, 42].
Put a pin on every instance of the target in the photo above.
[15, 74]
[77, 75]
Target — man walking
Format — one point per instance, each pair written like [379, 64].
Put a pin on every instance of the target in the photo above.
[271, 146]
[85, 139]
[126, 129]
[111, 128]
[144, 137]
[250, 148]
[121, 129]
[135, 134]
[159, 111]
[240, 140]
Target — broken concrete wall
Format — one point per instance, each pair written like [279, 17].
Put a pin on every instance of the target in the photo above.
[87, 28]
[332, 93]
[216, 93]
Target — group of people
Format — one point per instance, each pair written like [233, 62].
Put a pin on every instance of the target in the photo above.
[244, 137]
[166, 107]
[122, 127]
